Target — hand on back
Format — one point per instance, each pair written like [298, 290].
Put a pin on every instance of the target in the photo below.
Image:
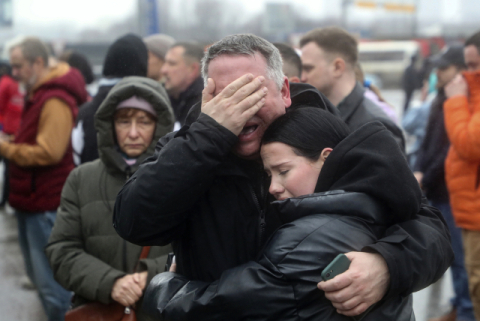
[363, 284]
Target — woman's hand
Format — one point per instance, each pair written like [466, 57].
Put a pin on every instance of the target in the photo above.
[129, 289]
[364, 283]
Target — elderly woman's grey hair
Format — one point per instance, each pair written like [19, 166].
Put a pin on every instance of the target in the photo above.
[248, 45]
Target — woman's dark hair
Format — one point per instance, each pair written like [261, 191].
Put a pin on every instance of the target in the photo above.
[308, 131]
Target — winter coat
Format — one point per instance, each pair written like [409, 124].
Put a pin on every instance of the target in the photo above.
[186, 100]
[36, 189]
[86, 254]
[282, 283]
[356, 110]
[205, 193]
[433, 152]
[462, 120]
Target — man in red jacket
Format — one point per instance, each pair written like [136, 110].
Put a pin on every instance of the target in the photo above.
[41, 159]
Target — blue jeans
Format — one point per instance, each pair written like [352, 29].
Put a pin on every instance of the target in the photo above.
[461, 301]
[33, 232]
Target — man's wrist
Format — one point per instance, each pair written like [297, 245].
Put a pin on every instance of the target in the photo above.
[208, 121]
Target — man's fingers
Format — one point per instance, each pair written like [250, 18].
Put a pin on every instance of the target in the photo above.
[249, 113]
[254, 101]
[348, 304]
[338, 283]
[355, 311]
[342, 296]
[233, 87]
[248, 90]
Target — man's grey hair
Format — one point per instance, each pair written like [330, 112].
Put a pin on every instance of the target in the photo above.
[247, 45]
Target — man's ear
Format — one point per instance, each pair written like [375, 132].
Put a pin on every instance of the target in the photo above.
[195, 68]
[285, 92]
[339, 66]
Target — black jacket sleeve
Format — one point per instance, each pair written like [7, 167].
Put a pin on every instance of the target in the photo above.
[247, 292]
[281, 285]
[417, 252]
[152, 207]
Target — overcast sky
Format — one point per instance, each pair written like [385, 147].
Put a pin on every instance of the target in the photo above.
[80, 14]
[88, 13]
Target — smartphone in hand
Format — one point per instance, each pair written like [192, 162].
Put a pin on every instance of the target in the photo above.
[340, 264]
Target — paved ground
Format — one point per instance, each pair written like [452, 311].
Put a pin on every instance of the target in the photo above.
[17, 304]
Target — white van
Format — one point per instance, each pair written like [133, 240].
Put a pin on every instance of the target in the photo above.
[387, 59]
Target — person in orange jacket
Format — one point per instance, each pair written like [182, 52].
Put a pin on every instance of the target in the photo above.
[462, 166]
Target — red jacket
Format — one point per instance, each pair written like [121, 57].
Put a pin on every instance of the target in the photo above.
[462, 166]
[38, 188]
[11, 105]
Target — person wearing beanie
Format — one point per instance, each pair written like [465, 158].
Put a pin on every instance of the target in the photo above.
[127, 56]
[157, 46]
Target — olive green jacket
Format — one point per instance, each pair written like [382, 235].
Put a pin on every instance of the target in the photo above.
[86, 254]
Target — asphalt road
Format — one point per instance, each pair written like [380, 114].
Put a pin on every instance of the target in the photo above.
[18, 304]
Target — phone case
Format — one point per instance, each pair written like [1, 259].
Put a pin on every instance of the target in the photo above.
[339, 265]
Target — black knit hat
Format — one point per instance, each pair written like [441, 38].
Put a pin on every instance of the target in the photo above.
[127, 56]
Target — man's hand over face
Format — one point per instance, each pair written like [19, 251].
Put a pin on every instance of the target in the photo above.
[363, 284]
[236, 103]
[457, 87]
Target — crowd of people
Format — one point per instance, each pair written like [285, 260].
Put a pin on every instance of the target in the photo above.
[255, 164]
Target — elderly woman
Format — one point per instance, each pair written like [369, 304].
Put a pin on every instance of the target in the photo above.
[86, 254]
